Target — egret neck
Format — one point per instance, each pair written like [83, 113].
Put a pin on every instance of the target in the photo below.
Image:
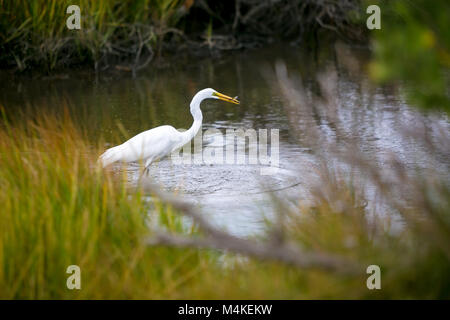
[198, 118]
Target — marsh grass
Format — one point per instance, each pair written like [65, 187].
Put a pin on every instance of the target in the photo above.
[58, 208]
[129, 34]
[34, 33]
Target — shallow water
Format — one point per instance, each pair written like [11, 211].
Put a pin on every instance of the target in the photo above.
[116, 106]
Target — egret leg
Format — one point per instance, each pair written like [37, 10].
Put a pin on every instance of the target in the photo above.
[147, 166]
[146, 170]
[140, 177]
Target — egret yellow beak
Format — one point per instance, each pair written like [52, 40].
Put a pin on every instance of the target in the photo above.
[226, 98]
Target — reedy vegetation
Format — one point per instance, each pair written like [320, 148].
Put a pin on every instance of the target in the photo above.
[59, 208]
[128, 34]
[34, 33]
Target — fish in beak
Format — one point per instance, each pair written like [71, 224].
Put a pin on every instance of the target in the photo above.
[226, 98]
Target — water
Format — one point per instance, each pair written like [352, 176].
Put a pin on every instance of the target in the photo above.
[116, 106]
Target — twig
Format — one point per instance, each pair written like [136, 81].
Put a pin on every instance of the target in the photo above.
[220, 240]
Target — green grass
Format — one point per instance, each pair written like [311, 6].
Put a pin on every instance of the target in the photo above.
[34, 36]
[34, 33]
[59, 208]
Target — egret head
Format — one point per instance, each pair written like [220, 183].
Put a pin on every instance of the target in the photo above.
[211, 93]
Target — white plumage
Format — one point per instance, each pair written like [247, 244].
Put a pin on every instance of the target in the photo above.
[158, 142]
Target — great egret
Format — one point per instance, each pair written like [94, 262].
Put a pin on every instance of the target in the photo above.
[158, 142]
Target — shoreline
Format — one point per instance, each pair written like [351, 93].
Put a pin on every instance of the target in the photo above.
[178, 60]
[114, 34]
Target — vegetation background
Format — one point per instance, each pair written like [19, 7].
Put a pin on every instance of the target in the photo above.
[33, 34]
[59, 206]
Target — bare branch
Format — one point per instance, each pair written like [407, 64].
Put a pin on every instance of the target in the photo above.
[217, 239]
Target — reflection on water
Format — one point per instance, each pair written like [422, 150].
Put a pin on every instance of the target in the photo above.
[234, 196]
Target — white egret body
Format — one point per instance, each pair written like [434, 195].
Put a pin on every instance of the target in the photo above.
[158, 142]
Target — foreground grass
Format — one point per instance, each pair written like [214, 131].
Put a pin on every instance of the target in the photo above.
[59, 208]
